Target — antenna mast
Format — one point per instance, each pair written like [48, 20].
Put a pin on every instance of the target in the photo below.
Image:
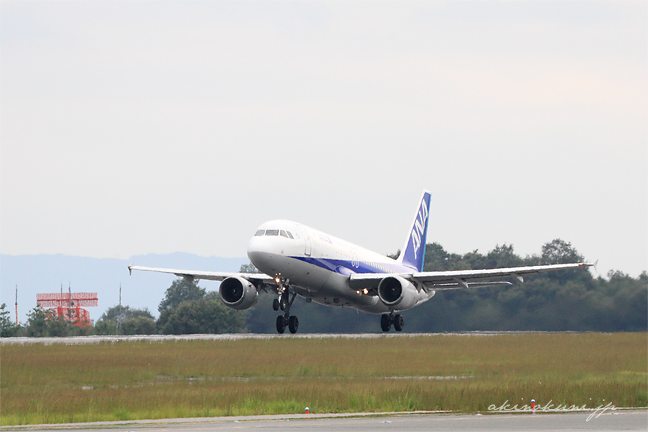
[121, 312]
[16, 304]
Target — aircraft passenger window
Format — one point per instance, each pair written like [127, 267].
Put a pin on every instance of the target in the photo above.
[259, 233]
[290, 235]
[272, 232]
[283, 234]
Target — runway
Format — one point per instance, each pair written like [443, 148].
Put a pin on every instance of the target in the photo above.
[80, 340]
[634, 420]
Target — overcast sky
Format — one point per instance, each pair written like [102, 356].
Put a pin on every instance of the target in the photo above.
[130, 127]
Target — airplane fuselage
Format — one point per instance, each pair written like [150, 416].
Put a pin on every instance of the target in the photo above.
[318, 265]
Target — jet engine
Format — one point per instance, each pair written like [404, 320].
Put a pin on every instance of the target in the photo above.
[238, 293]
[397, 293]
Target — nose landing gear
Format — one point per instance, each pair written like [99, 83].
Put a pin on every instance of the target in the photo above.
[386, 321]
[284, 302]
[291, 322]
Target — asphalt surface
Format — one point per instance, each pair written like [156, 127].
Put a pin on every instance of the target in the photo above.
[575, 421]
[80, 340]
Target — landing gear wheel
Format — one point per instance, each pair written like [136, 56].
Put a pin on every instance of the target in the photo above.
[385, 322]
[284, 302]
[293, 324]
[281, 326]
[398, 322]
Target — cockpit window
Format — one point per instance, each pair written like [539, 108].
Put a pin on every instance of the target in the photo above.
[274, 233]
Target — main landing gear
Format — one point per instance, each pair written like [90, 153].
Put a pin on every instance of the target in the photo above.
[386, 321]
[284, 302]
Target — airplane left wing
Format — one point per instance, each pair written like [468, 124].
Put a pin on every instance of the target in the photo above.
[193, 275]
[458, 279]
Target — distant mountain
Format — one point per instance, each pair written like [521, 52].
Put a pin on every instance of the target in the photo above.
[47, 273]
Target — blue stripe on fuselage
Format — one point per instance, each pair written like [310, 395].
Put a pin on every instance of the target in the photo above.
[339, 266]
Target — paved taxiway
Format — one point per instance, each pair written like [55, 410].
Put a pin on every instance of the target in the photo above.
[566, 422]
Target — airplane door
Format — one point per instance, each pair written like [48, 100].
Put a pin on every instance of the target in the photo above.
[307, 242]
[355, 261]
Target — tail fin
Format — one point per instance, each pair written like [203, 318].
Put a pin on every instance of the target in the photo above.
[413, 253]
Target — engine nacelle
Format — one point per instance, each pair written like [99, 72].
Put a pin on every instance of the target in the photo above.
[238, 293]
[397, 293]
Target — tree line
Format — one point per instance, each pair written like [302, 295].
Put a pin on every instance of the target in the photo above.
[570, 300]
[185, 309]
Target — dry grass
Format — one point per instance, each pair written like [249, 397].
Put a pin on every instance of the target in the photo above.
[132, 380]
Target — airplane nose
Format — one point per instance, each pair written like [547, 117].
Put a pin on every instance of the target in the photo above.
[267, 253]
[258, 250]
[253, 246]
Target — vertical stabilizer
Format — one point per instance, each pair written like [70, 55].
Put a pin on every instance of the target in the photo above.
[413, 253]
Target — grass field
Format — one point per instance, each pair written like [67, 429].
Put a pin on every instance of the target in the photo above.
[136, 380]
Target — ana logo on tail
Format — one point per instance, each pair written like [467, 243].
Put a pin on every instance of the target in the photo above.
[420, 225]
[414, 250]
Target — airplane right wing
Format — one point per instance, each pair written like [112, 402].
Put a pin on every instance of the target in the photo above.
[458, 279]
[483, 278]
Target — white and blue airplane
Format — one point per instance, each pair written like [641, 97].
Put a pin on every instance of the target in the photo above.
[298, 260]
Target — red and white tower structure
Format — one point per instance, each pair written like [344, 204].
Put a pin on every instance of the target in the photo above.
[68, 306]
